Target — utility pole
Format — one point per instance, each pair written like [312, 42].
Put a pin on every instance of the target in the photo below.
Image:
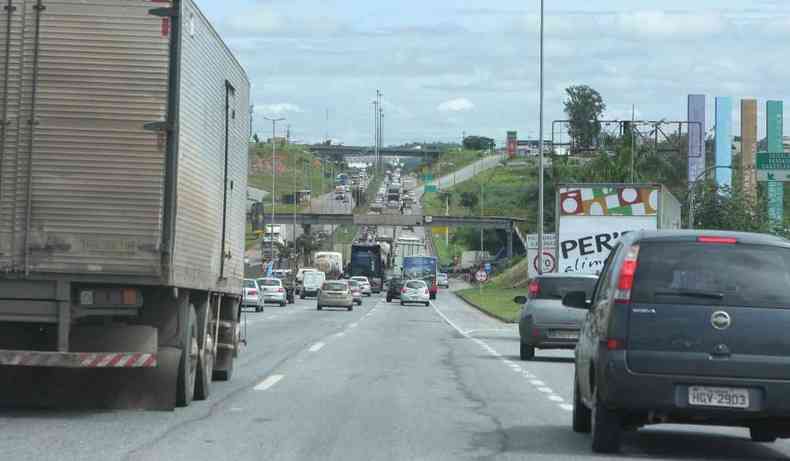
[633, 119]
[540, 154]
[274, 176]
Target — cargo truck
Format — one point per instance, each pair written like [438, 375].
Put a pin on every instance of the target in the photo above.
[123, 176]
[592, 217]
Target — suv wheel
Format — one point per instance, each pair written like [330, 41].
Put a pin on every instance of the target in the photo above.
[582, 418]
[605, 427]
[762, 434]
[527, 352]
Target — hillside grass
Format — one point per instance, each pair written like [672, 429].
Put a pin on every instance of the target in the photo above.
[497, 301]
[449, 161]
[296, 169]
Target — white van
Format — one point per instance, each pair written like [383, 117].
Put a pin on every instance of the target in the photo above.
[312, 283]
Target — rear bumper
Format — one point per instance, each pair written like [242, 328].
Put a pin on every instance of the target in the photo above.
[274, 298]
[668, 394]
[539, 336]
[250, 302]
[415, 299]
[77, 359]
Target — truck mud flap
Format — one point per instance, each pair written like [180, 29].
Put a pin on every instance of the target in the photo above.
[92, 388]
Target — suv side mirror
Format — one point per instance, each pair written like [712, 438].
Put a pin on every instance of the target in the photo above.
[576, 300]
[520, 299]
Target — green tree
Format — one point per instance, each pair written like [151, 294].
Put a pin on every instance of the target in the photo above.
[584, 108]
[256, 139]
[469, 199]
[478, 143]
[724, 208]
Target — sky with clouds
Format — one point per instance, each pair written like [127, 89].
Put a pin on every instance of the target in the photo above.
[450, 66]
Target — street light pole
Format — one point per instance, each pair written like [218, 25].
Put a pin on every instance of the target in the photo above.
[274, 176]
[540, 154]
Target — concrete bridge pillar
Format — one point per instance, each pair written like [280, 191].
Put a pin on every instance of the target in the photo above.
[510, 241]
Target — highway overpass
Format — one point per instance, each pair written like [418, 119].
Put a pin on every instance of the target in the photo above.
[508, 224]
[366, 151]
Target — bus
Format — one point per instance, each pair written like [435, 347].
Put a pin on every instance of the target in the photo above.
[367, 260]
[422, 268]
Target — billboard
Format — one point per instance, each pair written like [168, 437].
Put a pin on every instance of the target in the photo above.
[749, 145]
[696, 148]
[549, 254]
[723, 134]
[512, 144]
[592, 219]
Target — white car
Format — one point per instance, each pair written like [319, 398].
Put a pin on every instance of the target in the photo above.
[251, 296]
[272, 291]
[364, 283]
[415, 292]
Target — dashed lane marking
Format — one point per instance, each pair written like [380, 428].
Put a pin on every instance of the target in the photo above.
[316, 347]
[566, 406]
[268, 382]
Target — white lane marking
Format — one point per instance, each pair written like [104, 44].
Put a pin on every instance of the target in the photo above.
[449, 322]
[341, 334]
[353, 325]
[316, 347]
[537, 382]
[566, 406]
[546, 390]
[556, 398]
[268, 382]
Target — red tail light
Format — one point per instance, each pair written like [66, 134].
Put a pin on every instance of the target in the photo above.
[720, 240]
[426, 292]
[534, 288]
[613, 344]
[626, 280]
[281, 290]
[252, 291]
[403, 290]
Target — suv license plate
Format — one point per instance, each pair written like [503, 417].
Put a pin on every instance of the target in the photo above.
[564, 334]
[726, 397]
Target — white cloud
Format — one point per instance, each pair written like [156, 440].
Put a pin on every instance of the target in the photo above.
[277, 109]
[456, 105]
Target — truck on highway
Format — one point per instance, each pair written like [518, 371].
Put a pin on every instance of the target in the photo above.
[592, 217]
[330, 263]
[367, 260]
[122, 203]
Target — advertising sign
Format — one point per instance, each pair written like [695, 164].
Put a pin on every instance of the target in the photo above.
[512, 143]
[549, 252]
[592, 219]
[696, 151]
[723, 140]
[749, 145]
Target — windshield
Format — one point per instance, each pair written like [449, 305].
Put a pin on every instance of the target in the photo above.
[728, 275]
[558, 287]
[313, 277]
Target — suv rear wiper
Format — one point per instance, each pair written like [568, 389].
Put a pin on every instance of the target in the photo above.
[690, 293]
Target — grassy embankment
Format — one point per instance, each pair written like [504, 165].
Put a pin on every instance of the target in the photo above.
[496, 297]
[505, 192]
[295, 169]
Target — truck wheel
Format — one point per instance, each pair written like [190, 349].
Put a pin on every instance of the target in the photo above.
[224, 375]
[205, 369]
[187, 367]
[301, 295]
[389, 299]
[351, 307]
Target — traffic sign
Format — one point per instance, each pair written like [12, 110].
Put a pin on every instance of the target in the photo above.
[481, 276]
[549, 263]
[773, 175]
[487, 268]
[773, 161]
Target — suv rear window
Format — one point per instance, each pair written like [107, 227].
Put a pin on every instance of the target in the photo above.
[557, 287]
[712, 274]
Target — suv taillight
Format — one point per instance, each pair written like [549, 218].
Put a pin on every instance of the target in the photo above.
[625, 281]
[720, 240]
[534, 288]
[403, 290]
[252, 291]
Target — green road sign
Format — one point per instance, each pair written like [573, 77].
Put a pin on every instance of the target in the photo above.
[773, 160]
[427, 178]
[430, 188]
[773, 175]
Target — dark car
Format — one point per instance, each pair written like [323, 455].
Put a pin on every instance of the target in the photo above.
[394, 286]
[686, 327]
[545, 322]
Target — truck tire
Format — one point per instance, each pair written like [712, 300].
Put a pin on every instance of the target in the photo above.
[205, 371]
[224, 375]
[187, 366]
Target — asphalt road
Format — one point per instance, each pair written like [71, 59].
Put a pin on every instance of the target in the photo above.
[383, 382]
